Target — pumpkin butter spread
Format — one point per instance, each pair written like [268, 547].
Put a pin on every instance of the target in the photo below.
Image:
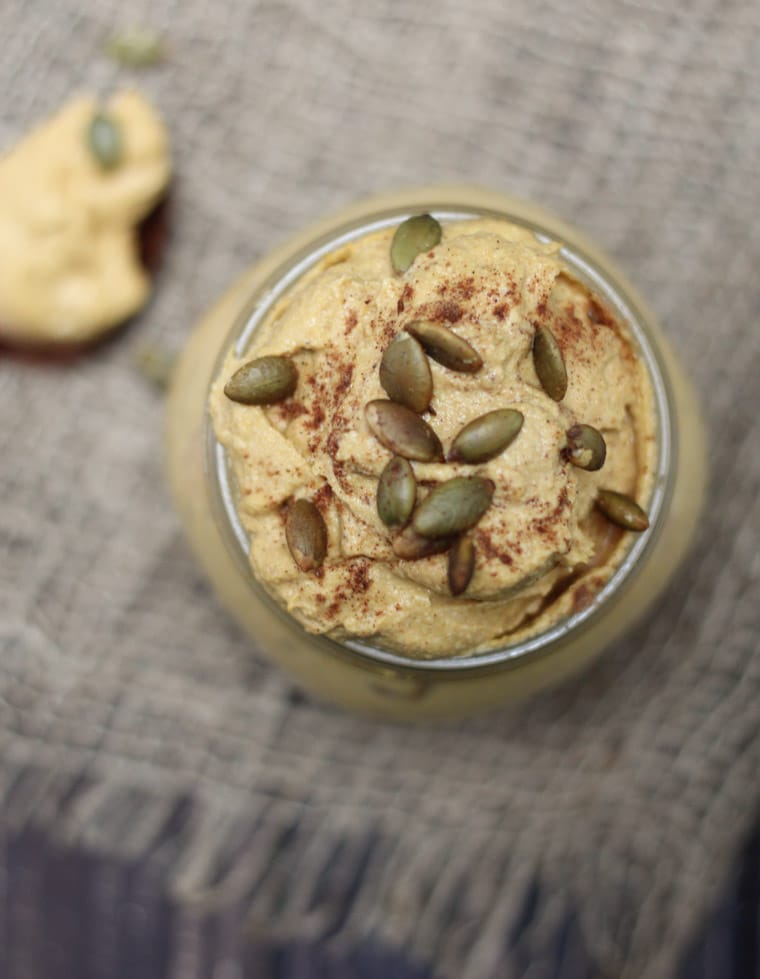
[543, 547]
[69, 256]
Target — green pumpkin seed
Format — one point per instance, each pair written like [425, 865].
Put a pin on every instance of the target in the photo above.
[402, 431]
[486, 436]
[396, 492]
[409, 546]
[453, 507]
[445, 346]
[105, 141]
[306, 534]
[549, 363]
[405, 374]
[136, 48]
[263, 381]
[461, 564]
[415, 235]
[586, 447]
[156, 364]
[622, 510]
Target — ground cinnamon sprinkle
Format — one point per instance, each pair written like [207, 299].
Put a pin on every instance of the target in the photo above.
[323, 498]
[357, 580]
[288, 410]
[351, 321]
[599, 314]
[359, 577]
[461, 290]
[486, 546]
[446, 309]
[316, 417]
[345, 373]
[546, 527]
[572, 334]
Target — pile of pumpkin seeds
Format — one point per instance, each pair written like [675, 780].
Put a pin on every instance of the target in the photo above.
[441, 521]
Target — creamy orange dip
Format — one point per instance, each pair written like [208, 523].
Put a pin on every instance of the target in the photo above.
[542, 549]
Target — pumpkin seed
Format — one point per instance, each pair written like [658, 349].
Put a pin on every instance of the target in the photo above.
[461, 564]
[156, 364]
[409, 546]
[485, 437]
[405, 373]
[415, 235]
[549, 363]
[453, 507]
[105, 141]
[396, 492]
[402, 431]
[306, 534]
[622, 510]
[263, 381]
[139, 47]
[445, 346]
[586, 447]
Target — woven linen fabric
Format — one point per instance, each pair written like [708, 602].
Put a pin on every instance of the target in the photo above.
[137, 723]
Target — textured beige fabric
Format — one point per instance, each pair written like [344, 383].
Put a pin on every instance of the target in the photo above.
[123, 686]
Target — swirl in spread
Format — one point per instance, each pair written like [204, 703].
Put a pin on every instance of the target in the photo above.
[541, 549]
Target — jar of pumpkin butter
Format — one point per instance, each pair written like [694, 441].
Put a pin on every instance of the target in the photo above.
[434, 453]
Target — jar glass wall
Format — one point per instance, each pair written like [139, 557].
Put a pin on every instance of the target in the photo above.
[365, 676]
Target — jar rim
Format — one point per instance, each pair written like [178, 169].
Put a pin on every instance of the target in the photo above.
[605, 283]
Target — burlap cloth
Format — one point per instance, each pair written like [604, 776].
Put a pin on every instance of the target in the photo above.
[137, 721]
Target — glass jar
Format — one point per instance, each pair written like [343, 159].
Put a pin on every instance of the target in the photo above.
[354, 673]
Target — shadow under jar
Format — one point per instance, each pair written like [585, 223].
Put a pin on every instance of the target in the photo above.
[590, 603]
